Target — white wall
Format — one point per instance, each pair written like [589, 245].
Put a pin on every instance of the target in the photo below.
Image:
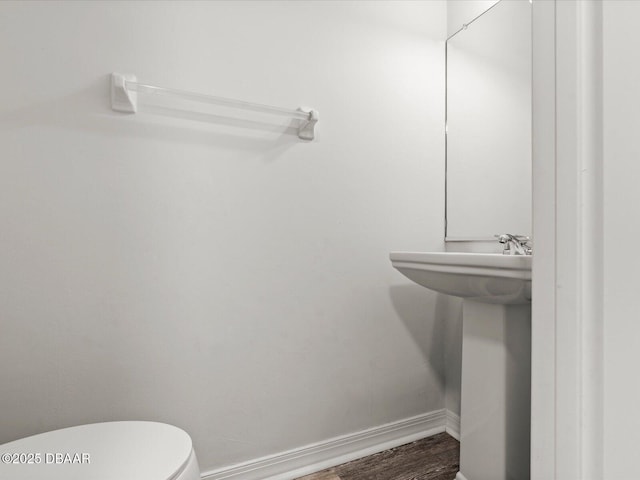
[232, 281]
[621, 228]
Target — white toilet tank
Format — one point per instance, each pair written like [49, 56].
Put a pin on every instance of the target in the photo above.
[102, 451]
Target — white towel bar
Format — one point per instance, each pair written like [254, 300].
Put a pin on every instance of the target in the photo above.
[125, 90]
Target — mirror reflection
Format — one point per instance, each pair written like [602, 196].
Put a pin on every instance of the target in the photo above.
[488, 115]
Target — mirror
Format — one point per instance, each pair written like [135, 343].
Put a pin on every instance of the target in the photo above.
[488, 125]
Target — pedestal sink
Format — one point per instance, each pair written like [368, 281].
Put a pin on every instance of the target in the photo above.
[483, 277]
[496, 355]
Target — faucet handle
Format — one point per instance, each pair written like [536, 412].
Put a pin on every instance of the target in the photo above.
[505, 237]
[520, 243]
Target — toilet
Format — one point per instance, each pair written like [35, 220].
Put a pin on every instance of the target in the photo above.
[102, 451]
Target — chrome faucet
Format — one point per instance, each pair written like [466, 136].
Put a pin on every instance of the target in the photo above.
[515, 244]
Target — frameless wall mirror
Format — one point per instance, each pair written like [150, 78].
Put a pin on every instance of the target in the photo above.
[488, 125]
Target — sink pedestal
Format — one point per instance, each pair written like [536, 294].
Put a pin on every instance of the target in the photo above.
[496, 381]
[495, 417]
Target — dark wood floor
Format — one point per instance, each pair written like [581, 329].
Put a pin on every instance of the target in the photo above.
[433, 458]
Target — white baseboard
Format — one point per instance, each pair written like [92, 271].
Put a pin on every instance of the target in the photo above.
[319, 456]
[460, 476]
[452, 425]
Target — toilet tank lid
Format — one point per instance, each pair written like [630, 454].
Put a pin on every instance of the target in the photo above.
[99, 451]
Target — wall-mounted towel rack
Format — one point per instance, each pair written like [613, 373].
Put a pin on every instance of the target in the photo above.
[125, 89]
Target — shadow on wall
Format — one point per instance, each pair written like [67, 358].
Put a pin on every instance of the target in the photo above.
[420, 311]
[90, 110]
[451, 307]
[435, 324]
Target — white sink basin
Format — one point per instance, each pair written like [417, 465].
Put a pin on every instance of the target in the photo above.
[483, 277]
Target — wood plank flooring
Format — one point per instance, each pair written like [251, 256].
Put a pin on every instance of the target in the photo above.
[432, 458]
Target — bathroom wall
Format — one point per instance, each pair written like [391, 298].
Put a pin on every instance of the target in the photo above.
[621, 78]
[233, 281]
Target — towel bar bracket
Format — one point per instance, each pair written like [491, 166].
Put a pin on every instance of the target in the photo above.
[306, 131]
[123, 99]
